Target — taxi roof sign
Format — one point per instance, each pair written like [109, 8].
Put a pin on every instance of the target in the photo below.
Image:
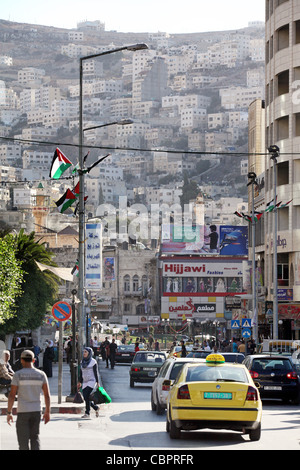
[215, 359]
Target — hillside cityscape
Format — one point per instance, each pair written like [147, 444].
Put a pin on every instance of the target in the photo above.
[187, 98]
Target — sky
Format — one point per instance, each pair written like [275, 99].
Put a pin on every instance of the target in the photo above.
[170, 16]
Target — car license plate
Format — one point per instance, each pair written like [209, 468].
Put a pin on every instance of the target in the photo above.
[126, 355]
[268, 387]
[218, 396]
[149, 368]
[152, 373]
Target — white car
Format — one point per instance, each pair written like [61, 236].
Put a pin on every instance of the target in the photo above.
[165, 379]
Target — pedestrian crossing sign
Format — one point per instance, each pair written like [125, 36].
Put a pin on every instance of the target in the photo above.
[235, 324]
[246, 323]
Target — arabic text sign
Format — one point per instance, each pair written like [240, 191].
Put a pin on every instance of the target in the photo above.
[93, 262]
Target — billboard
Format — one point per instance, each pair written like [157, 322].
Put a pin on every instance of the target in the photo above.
[225, 240]
[93, 259]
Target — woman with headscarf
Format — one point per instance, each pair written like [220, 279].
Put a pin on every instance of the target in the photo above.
[48, 358]
[88, 378]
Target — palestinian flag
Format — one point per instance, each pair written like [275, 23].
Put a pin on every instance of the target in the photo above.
[285, 205]
[60, 163]
[76, 189]
[257, 216]
[65, 201]
[272, 205]
[75, 270]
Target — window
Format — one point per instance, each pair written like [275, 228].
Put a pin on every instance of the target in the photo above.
[126, 284]
[283, 274]
[135, 283]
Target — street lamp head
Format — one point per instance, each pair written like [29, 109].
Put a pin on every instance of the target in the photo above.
[137, 47]
[273, 149]
[124, 122]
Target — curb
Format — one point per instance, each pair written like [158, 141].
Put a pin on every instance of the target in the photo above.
[54, 410]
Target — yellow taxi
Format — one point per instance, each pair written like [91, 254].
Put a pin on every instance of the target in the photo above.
[216, 395]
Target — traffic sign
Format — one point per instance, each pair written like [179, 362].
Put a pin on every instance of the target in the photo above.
[246, 333]
[235, 324]
[61, 311]
[246, 322]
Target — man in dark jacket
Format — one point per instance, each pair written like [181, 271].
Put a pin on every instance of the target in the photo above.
[112, 353]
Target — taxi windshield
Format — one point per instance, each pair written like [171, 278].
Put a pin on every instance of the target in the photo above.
[206, 373]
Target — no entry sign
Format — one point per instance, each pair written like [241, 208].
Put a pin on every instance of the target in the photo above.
[61, 311]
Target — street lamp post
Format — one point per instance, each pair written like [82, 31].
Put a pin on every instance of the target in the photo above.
[253, 182]
[274, 151]
[81, 287]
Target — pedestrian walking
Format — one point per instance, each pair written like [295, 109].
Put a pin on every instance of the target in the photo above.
[48, 358]
[112, 353]
[28, 383]
[6, 372]
[95, 345]
[183, 349]
[88, 378]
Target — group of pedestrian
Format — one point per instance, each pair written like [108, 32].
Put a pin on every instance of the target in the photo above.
[108, 352]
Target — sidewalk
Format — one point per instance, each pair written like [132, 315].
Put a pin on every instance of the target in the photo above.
[63, 407]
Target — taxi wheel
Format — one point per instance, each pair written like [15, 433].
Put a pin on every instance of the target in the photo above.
[254, 434]
[153, 405]
[174, 431]
[159, 409]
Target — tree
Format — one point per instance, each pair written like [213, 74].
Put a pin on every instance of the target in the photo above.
[39, 288]
[11, 276]
[189, 191]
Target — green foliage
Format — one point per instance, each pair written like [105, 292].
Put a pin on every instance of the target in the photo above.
[190, 191]
[11, 276]
[39, 289]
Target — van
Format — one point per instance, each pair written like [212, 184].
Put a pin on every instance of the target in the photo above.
[281, 346]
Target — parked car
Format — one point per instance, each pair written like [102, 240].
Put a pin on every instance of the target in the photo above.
[145, 366]
[228, 356]
[125, 353]
[164, 381]
[275, 375]
[215, 395]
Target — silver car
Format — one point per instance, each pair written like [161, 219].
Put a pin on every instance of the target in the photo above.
[165, 379]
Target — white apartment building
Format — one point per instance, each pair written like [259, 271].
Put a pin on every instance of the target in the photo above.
[8, 97]
[215, 120]
[191, 118]
[23, 197]
[32, 98]
[10, 154]
[255, 77]
[60, 113]
[162, 195]
[240, 97]
[75, 35]
[37, 133]
[77, 50]
[37, 159]
[182, 102]
[257, 50]
[121, 107]
[96, 87]
[140, 61]
[30, 74]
